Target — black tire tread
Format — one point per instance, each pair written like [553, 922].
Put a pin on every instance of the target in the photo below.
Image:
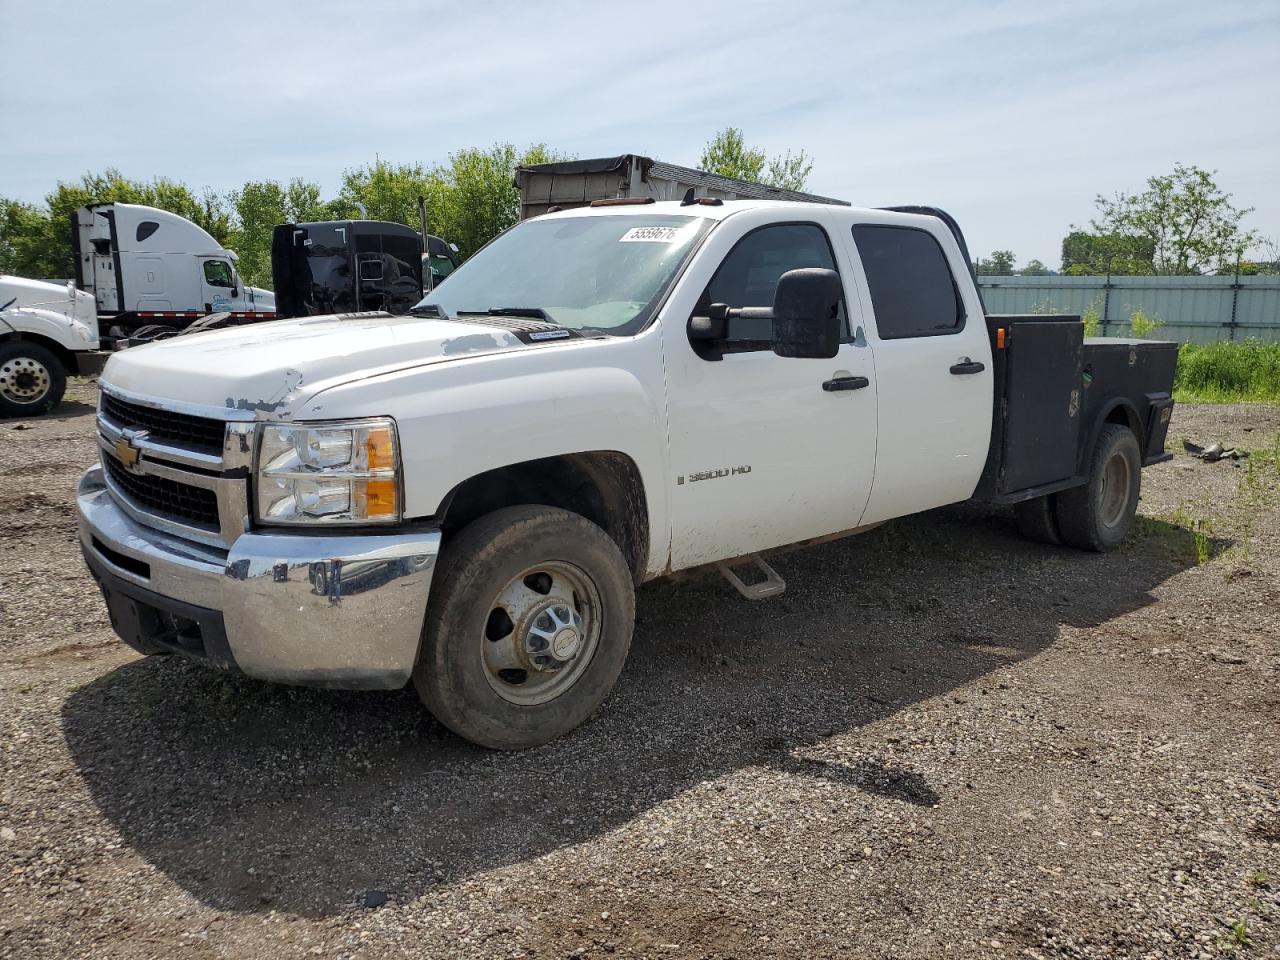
[57, 379]
[1037, 519]
[467, 557]
[1077, 508]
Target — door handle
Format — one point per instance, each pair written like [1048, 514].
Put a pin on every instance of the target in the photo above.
[967, 366]
[845, 383]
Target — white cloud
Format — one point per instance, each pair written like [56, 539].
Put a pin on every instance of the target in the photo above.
[1012, 115]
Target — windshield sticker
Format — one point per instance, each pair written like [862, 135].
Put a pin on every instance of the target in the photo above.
[651, 235]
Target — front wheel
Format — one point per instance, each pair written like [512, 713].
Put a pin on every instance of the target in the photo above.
[32, 380]
[527, 627]
[1099, 515]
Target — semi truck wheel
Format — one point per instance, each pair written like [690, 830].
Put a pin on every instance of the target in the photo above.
[1037, 519]
[527, 627]
[1099, 515]
[32, 380]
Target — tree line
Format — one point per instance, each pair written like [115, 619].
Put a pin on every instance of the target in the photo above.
[471, 198]
[1181, 223]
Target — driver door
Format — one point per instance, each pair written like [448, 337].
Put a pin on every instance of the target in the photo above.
[218, 288]
[765, 450]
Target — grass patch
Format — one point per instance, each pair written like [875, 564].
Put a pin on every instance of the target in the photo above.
[1228, 372]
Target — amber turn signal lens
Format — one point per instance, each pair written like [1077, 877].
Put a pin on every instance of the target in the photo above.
[999, 338]
[381, 498]
[381, 449]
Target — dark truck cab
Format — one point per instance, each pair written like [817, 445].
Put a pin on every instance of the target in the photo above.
[350, 266]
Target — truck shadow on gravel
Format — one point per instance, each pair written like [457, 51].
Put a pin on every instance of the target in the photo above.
[255, 797]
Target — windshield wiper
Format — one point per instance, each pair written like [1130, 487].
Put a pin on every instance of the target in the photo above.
[535, 313]
[428, 310]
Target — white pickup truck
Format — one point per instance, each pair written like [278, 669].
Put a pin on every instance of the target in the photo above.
[468, 497]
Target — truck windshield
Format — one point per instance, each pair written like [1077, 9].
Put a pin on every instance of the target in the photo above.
[600, 273]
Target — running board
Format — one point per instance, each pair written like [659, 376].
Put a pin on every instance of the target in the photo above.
[770, 586]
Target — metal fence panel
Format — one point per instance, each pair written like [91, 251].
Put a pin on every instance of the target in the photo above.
[1188, 309]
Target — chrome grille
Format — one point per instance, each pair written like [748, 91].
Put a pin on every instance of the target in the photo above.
[183, 429]
[181, 471]
[170, 498]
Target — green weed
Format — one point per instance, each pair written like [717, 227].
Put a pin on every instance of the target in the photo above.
[1230, 371]
[1142, 326]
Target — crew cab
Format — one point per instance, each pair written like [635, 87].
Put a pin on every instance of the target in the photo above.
[467, 498]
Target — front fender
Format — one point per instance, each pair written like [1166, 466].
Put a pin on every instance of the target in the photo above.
[469, 416]
[68, 332]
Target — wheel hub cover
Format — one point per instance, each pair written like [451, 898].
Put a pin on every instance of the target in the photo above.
[565, 645]
[23, 380]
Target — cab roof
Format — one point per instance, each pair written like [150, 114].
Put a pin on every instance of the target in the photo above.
[728, 208]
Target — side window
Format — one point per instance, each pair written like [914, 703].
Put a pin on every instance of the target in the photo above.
[749, 275]
[441, 266]
[217, 273]
[912, 291]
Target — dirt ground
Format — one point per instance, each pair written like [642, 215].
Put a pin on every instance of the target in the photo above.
[941, 741]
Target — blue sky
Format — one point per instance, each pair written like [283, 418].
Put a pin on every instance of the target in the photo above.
[1011, 115]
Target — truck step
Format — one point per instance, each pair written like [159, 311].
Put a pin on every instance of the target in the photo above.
[770, 586]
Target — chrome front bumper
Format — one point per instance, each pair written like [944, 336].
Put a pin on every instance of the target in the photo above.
[328, 610]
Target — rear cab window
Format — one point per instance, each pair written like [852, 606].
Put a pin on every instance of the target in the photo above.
[913, 292]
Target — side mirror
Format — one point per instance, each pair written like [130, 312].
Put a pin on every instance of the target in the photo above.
[235, 291]
[806, 314]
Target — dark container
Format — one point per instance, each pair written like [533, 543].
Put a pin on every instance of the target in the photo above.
[345, 266]
[1138, 371]
[1036, 423]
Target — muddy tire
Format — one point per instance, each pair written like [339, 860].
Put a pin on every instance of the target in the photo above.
[1037, 519]
[32, 379]
[527, 627]
[1099, 515]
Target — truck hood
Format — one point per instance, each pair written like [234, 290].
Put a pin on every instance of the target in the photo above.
[61, 298]
[271, 368]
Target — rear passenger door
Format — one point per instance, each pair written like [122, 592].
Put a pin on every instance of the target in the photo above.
[933, 364]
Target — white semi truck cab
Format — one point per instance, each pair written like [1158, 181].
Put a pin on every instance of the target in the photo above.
[150, 267]
[468, 497]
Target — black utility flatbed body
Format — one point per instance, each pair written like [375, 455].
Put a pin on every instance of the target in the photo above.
[1055, 390]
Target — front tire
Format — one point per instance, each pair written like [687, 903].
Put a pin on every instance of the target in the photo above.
[32, 380]
[527, 628]
[1099, 515]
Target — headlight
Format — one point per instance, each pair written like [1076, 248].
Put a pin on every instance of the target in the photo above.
[341, 472]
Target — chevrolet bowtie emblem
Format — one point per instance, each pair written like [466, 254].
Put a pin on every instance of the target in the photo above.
[126, 452]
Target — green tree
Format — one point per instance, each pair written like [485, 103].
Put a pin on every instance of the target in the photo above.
[37, 242]
[1034, 268]
[728, 155]
[470, 199]
[1093, 254]
[1000, 264]
[482, 200]
[1188, 220]
[262, 204]
[22, 228]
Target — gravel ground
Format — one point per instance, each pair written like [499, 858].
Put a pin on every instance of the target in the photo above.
[941, 740]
